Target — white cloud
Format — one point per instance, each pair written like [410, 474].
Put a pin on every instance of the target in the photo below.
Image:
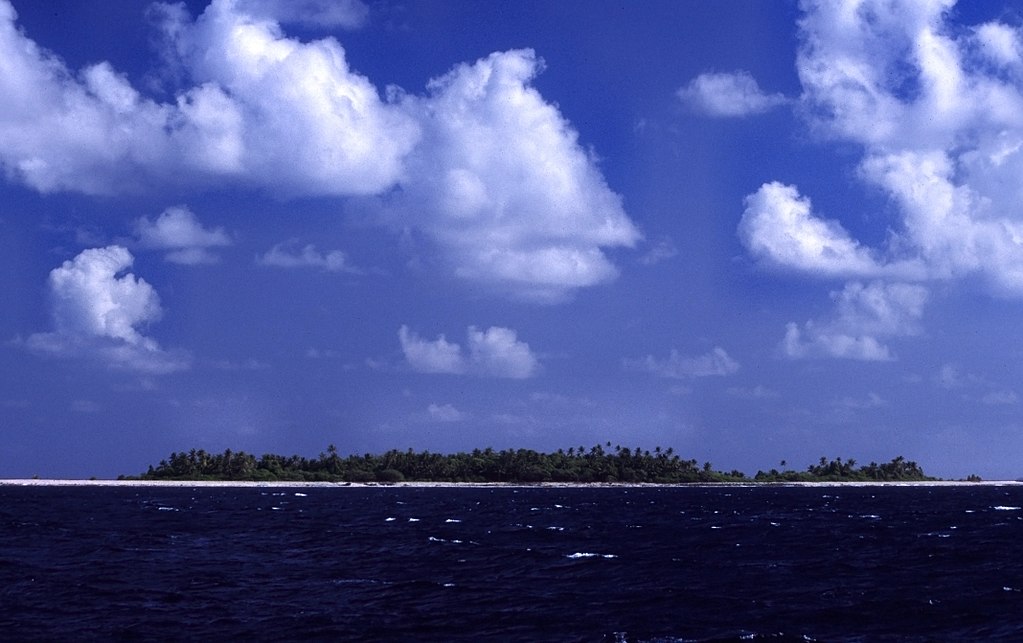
[937, 111]
[865, 316]
[62, 131]
[424, 356]
[347, 14]
[97, 310]
[780, 228]
[495, 352]
[728, 95]
[955, 229]
[1000, 43]
[444, 413]
[263, 109]
[90, 299]
[178, 231]
[306, 122]
[489, 173]
[498, 353]
[717, 362]
[287, 255]
[502, 187]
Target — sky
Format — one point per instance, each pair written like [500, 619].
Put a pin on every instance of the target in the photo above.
[755, 232]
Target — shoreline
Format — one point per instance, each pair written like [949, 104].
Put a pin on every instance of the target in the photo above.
[33, 482]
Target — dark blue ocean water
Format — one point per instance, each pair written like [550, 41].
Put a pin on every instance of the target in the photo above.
[501, 564]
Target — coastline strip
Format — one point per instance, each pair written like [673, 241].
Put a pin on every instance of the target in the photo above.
[39, 482]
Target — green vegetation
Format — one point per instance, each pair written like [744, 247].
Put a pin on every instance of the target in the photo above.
[836, 470]
[521, 466]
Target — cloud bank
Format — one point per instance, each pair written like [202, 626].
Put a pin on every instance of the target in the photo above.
[489, 173]
[938, 115]
[495, 352]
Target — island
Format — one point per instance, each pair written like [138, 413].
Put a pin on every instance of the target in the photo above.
[598, 464]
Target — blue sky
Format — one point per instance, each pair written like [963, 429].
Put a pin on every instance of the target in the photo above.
[750, 231]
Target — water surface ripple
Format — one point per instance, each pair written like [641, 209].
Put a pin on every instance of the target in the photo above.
[503, 564]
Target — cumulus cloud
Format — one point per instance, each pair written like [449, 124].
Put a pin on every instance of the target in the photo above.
[260, 108]
[495, 352]
[437, 356]
[490, 173]
[938, 114]
[1001, 44]
[63, 131]
[717, 362]
[728, 95]
[501, 185]
[98, 309]
[178, 231]
[306, 122]
[288, 255]
[779, 227]
[866, 315]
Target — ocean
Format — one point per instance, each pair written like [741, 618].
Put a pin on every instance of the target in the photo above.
[613, 564]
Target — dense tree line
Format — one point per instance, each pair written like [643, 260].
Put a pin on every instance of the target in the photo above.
[836, 470]
[596, 464]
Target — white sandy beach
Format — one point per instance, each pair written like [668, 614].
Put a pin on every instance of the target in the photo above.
[37, 482]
